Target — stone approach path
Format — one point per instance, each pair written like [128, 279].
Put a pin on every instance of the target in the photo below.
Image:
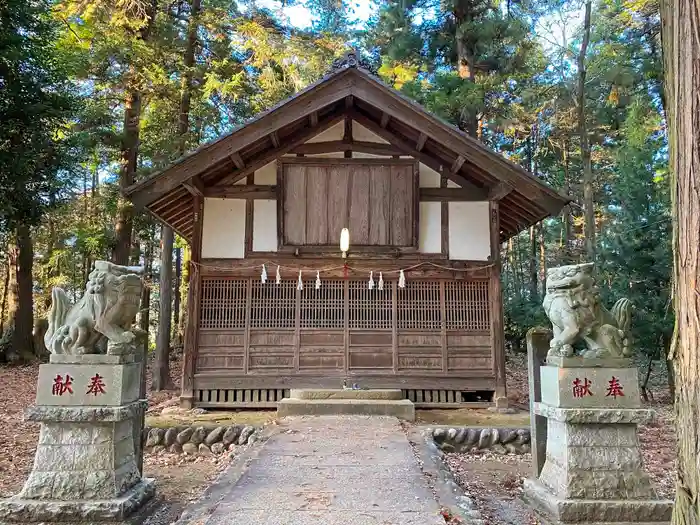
[329, 470]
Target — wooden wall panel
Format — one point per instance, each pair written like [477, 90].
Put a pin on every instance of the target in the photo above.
[338, 201]
[295, 204]
[358, 221]
[380, 217]
[317, 183]
[402, 205]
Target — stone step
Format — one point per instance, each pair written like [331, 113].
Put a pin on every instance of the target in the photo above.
[401, 408]
[338, 393]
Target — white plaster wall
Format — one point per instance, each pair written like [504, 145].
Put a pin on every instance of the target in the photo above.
[361, 133]
[264, 225]
[223, 228]
[335, 132]
[267, 175]
[429, 178]
[430, 227]
[469, 233]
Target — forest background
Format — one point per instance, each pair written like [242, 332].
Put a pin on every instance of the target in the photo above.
[97, 94]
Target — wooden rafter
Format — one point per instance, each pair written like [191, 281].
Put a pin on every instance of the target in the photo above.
[421, 141]
[408, 149]
[237, 160]
[499, 191]
[385, 120]
[457, 164]
[288, 145]
[195, 186]
[274, 138]
[313, 118]
[243, 191]
[374, 148]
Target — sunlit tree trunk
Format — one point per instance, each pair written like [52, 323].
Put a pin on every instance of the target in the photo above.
[681, 49]
[161, 372]
[588, 203]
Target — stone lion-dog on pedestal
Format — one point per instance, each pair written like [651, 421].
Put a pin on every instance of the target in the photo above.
[573, 306]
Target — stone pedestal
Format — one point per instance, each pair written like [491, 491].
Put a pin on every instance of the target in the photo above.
[85, 467]
[593, 468]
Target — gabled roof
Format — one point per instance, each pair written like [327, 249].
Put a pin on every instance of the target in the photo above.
[348, 93]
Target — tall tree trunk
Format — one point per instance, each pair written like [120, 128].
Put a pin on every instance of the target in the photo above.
[566, 211]
[22, 340]
[681, 50]
[145, 314]
[465, 68]
[177, 335]
[161, 372]
[5, 293]
[543, 260]
[161, 366]
[130, 148]
[129, 153]
[532, 266]
[588, 204]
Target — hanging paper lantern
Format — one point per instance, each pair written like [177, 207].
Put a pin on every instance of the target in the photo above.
[370, 284]
[263, 275]
[402, 280]
[318, 280]
[300, 284]
[278, 277]
[380, 285]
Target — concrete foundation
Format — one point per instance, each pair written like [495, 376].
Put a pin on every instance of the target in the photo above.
[347, 402]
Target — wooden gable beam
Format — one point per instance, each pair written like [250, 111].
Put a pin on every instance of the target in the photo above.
[243, 191]
[374, 93]
[238, 160]
[385, 120]
[457, 164]
[408, 149]
[332, 146]
[421, 141]
[499, 191]
[449, 194]
[270, 155]
[315, 98]
[195, 186]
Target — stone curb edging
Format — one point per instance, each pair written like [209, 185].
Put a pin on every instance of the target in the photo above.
[197, 439]
[451, 497]
[498, 440]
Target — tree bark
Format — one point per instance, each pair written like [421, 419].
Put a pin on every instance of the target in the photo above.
[532, 266]
[681, 50]
[129, 153]
[177, 335]
[588, 203]
[5, 293]
[161, 365]
[22, 340]
[130, 148]
[161, 372]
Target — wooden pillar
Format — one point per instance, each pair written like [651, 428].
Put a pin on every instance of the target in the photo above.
[193, 306]
[496, 304]
[537, 347]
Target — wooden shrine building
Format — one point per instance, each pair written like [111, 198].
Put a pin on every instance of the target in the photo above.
[416, 194]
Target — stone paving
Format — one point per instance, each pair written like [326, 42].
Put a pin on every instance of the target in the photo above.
[329, 470]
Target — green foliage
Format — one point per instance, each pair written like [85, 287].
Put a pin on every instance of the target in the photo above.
[36, 105]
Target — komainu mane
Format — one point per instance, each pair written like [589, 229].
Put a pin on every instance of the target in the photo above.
[573, 306]
[107, 309]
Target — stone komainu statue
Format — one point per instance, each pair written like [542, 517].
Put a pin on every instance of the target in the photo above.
[573, 305]
[107, 309]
